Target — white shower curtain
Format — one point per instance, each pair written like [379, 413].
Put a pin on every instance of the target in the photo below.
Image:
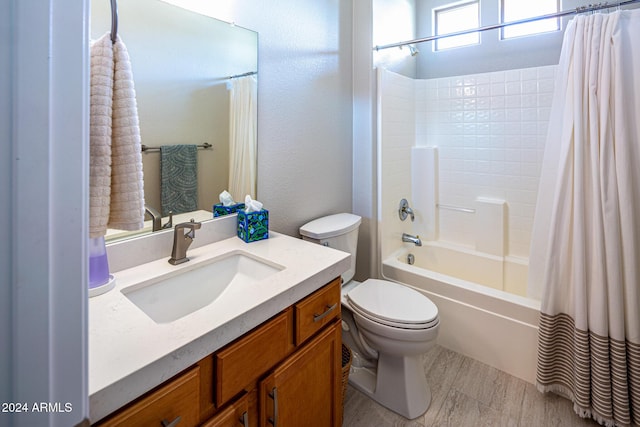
[585, 254]
[243, 137]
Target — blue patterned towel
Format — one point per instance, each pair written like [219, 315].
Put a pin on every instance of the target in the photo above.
[179, 178]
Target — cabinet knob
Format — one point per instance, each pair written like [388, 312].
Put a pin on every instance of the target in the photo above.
[173, 423]
[319, 317]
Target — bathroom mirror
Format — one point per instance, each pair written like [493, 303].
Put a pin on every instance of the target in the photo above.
[182, 62]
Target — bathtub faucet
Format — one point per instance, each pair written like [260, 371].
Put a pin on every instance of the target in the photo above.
[411, 239]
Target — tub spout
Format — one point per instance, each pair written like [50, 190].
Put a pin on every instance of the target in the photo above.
[411, 239]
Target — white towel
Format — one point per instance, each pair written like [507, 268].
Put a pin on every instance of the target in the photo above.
[101, 99]
[116, 178]
[127, 188]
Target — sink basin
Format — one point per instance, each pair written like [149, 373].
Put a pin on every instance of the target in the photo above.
[176, 294]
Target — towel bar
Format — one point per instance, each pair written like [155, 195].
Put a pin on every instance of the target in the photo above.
[147, 148]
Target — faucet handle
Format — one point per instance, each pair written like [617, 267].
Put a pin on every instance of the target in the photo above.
[191, 224]
[169, 223]
[404, 210]
[194, 225]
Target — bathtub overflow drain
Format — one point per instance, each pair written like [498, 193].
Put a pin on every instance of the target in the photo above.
[411, 259]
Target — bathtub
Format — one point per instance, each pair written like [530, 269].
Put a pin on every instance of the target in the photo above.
[478, 317]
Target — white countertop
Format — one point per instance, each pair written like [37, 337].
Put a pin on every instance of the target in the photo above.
[130, 354]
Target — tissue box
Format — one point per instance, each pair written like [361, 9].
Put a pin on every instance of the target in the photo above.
[219, 209]
[253, 226]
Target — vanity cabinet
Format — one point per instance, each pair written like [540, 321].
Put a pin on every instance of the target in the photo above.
[305, 390]
[285, 372]
[237, 413]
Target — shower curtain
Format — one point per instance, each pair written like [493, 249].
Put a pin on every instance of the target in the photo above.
[585, 253]
[243, 137]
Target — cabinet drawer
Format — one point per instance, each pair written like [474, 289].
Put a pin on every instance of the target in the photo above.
[317, 310]
[177, 398]
[244, 361]
[234, 415]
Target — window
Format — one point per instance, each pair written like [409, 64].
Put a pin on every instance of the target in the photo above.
[457, 17]
[515, 10]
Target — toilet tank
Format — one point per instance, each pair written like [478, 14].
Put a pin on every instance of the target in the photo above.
[339, 231]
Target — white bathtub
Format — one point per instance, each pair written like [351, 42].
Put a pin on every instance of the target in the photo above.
[477, 317]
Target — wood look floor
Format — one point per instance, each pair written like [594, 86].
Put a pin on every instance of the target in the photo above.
[469, 393]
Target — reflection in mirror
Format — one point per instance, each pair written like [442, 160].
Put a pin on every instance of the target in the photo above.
[182, 65]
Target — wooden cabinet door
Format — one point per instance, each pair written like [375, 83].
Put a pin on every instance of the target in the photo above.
[305, 390]
[238, 414]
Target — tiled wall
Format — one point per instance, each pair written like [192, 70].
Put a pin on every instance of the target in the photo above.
[490, 130]
[396, 127]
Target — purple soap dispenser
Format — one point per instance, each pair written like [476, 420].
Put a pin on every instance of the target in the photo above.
[100, 281]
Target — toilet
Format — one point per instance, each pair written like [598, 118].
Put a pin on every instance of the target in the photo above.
[388, 326]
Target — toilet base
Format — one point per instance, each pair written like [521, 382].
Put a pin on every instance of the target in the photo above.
[398, 383]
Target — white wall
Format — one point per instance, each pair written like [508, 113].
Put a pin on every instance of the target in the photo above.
[304, 107]
[492, 53]
[374, 22]
[393, 21]
[364, 136]
[490, 130]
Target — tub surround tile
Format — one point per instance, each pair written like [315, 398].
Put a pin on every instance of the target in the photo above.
[506, 110]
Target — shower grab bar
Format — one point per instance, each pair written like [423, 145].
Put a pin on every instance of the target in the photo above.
[456, 208]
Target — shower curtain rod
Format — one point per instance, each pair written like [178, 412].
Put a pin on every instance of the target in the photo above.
[580, 9]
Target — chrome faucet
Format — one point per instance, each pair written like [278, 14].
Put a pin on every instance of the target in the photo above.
[404, 210]
[411, 239]
[182, 241]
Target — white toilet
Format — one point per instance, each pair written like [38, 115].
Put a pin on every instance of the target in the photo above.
[388, 326]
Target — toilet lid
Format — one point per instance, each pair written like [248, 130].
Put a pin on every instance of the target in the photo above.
[392, 303]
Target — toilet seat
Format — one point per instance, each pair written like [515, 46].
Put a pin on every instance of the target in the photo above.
[394, 305]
